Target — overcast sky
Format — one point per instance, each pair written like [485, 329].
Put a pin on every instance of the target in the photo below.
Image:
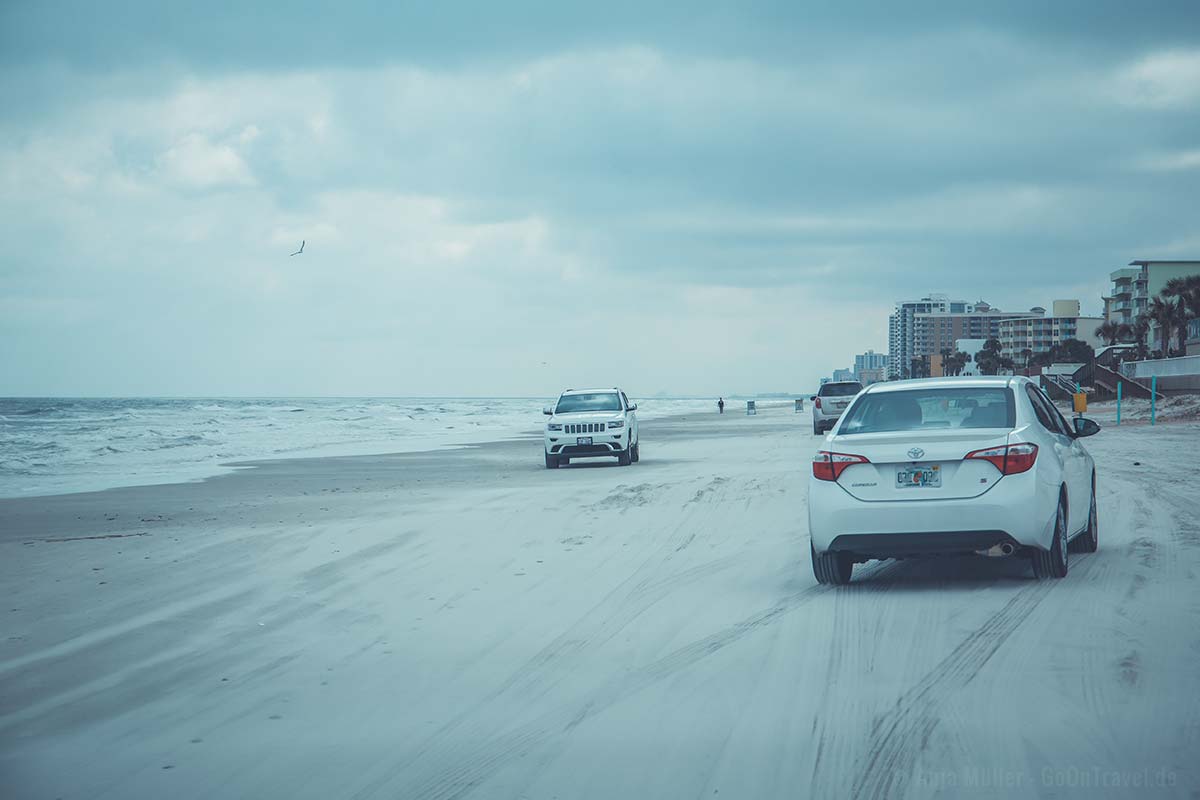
[510, 198]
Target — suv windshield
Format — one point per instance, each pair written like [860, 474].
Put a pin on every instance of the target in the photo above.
[921, 409]
[606, 401]
[840, 389]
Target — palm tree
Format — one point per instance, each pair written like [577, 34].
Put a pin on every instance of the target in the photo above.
[1162, 312]
[954, 362]
[1187, 290]
[1109, 332]
[1139, 331]
[989, 359]
[1180, 320]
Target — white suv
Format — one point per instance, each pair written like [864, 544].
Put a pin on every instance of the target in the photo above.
[830, 402]
[586, 423]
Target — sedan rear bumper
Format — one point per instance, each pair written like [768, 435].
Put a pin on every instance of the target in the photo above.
[1017, 509]
[903, 545]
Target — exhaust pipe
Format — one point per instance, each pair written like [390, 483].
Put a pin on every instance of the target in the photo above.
[998, 550]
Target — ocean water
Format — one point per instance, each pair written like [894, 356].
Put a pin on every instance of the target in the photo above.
[60, 445]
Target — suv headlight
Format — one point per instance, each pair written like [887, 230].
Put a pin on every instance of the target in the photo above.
[620, 423]
[553, 426]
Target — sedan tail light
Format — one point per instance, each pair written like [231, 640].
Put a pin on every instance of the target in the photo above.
[1010, 459]
[828, 466]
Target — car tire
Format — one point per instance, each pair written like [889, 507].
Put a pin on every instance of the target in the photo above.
[1053, 563]
[551, 461]
[625, 457]
[1089, 540]
[636, 454]
[816, 429]
[830, 567]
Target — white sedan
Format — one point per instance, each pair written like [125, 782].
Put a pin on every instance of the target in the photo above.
[952, 465]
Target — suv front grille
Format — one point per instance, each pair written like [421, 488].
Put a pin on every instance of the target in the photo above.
[584, 427]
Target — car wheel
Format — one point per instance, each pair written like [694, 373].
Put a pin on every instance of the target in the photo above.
[816, 429]
[636, 455]
[1089, 540]
[551, 461]
[1052, 563]
[625, 458]
[831, 567]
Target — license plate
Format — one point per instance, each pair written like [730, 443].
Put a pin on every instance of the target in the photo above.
[915, 477]
[584, 440]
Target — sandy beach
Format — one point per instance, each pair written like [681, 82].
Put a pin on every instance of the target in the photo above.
[466, 623]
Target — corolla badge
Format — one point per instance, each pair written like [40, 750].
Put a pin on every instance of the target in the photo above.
[915, 453]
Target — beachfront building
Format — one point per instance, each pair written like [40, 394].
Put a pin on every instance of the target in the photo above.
[921, 328]
[924, 328]
[1133, 286]
[1036, 333]
[869, 360]
[867, 376]
[843, 375]
[937, 331]
[901, 329]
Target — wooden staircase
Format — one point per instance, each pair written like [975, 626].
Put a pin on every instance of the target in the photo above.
[1109, 379]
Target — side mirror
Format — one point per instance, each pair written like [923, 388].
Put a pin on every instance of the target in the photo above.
[633, 406]
[548, 411]
[812, 397]
[1085, 427]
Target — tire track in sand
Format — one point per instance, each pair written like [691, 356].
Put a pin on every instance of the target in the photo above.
[904, 731]
[454, 768]
[649, 583]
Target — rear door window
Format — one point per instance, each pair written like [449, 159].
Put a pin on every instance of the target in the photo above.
[1055, 414]
[1044, 414]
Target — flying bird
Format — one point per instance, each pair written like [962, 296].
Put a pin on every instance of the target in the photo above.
[301, 250]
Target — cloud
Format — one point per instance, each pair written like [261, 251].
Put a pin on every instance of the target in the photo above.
[675, 214]
[1176, 161]
[1169, 80]
[195, 162]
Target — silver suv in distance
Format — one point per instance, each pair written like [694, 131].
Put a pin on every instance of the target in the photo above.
[830, 402]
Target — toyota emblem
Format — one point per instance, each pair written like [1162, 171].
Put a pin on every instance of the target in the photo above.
[915, 453]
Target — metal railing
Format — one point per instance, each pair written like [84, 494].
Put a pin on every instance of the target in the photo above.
[1161, 367]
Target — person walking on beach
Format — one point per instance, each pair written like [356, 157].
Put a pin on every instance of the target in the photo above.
[720, 405]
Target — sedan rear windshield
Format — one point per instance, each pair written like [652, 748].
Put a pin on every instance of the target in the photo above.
[840, 389]
[601, 401]
[923, 409]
